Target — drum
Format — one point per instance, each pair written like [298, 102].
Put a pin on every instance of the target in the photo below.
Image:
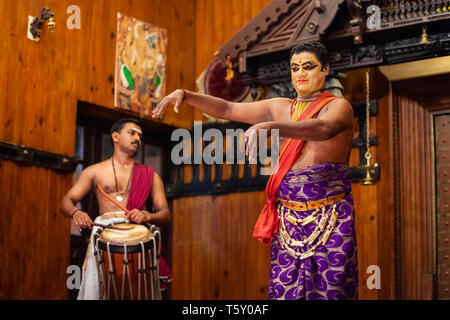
[133, 240]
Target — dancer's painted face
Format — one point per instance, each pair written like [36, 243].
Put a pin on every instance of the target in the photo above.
[307, 74]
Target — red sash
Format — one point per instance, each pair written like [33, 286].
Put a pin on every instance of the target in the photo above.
[141, 184]
[267, 224]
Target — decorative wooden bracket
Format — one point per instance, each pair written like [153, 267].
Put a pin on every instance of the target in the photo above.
[29, 156]
[357, 21]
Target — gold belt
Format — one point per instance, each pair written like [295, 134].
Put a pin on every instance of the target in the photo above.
[312, 204]
[321, 232]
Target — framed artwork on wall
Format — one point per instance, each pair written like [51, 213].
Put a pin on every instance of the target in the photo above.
[140, 71]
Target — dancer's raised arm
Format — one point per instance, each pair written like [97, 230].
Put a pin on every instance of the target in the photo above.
[247, 112]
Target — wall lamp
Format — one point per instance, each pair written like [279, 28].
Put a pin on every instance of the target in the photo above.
[36, 23]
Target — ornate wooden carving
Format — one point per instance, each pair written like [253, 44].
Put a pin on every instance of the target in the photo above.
[356, 21]
[275, 69]
[281, 25]
[262, 47]
[400, 13]
[410, 49]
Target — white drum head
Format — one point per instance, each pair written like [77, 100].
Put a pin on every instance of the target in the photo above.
[134, 234]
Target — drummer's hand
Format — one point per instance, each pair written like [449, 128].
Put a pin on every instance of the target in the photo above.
[82, 220]
[138, 216]
[175, 98]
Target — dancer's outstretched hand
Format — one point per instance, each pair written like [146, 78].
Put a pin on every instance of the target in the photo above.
[175, 98]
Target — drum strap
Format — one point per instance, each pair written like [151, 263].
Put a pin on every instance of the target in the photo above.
[99, 258]
[126, 273]
[111, 274]
[152, 267]
[156, 292]
[157, 256]
[141, 270]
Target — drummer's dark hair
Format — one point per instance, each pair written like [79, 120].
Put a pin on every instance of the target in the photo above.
[315, 47]
[118, 125]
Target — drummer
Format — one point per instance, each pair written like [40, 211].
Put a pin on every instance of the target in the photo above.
[125, 181]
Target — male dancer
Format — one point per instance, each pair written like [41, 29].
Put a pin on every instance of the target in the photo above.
[308, 217]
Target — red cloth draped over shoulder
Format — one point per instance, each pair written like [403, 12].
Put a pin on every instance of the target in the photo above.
[141, 184]
[267, 224]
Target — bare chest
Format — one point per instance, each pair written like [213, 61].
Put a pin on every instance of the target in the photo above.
[114, 182]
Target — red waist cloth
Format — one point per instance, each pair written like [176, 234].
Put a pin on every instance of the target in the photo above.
[141, 184]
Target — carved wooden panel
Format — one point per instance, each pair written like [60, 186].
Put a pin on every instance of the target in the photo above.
[442, 131]
[400, 13]
[421, 220]
[281, 25]
[416, 236]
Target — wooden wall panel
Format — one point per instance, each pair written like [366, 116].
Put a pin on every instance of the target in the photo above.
[415, 103]
[217, 22]
[216, 256]
[374, 205]
[44, 80]
[34, 237]
[417, 238]
[385, 237]
[39, 89]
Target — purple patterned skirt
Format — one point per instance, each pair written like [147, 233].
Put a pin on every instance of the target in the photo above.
[325, 268]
